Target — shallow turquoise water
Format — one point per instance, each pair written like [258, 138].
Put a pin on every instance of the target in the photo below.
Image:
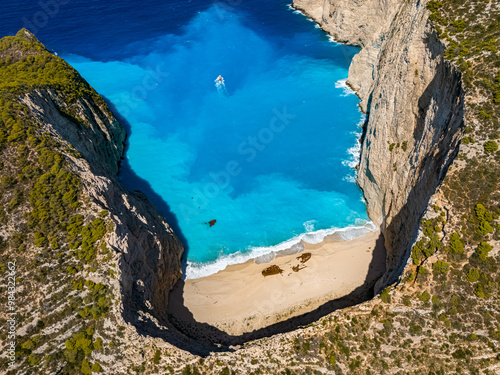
[268, 155]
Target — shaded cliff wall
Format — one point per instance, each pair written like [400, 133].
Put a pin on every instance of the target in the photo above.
[415, 105]
[150, 253]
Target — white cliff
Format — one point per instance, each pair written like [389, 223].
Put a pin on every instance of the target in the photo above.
[415, 105]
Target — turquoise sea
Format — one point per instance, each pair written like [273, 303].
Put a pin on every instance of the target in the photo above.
[247, 166]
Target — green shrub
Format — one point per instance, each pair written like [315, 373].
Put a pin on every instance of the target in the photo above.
[434, 6]
[440, 267]
[98, 343]
[7, 182]
[482, 213]
[86, 370]
[484, 227]
[417, 252]
[483, 249]
[459, 25]
[425, 296]
[461, 353]
[385, 296]
[467, 140]
[478, 291]
[415, 329]
[422, 271]
[28, 345]
[473, 275]
[96, 367]
[436, 302]
[33, 359]
[331, 360]
[40, 240]
[456, 244]
[490, 146]
[157, 357]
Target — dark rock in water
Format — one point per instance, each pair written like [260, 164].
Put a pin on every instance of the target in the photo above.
[211, 223]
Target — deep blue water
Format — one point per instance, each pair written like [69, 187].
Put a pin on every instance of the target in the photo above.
[268, 155]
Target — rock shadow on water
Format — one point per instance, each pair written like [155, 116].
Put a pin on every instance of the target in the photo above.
[149, 323]
[132, 181]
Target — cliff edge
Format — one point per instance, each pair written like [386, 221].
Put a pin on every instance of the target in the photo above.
[414, 102]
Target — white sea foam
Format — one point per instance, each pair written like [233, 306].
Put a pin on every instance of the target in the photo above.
[309, 225]
[296, 11]
[342, 84]
[268, 254]
[351, 178]
[332, 40]
[354, 154]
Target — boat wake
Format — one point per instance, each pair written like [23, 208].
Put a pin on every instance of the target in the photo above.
[221, 86]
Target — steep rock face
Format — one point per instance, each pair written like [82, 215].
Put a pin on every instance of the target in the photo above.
[415, 105]
[365, 24]
[150, 251]
[98, 137]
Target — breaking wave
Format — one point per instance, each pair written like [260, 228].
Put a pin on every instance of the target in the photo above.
[342, 84]
[260, 255]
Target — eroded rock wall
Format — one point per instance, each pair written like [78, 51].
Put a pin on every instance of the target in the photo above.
[415, 105]
[150, 252]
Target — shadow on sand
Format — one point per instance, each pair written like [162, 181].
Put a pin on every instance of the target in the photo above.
[180, 316]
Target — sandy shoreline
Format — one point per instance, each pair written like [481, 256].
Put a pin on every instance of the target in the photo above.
[239, 299]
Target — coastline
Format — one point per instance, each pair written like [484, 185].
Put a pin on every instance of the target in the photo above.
[240, 299]
[267, 254]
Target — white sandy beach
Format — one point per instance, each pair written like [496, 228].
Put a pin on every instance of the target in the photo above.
[239, 299]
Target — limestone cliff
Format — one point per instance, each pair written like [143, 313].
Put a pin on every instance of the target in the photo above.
[415, 105]
[149, 251]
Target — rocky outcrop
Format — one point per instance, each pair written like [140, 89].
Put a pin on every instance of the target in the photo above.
[93, 132]
[150, 253]
[415, 105]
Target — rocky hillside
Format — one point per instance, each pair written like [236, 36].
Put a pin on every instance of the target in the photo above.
[93, 263]
[78, 253]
